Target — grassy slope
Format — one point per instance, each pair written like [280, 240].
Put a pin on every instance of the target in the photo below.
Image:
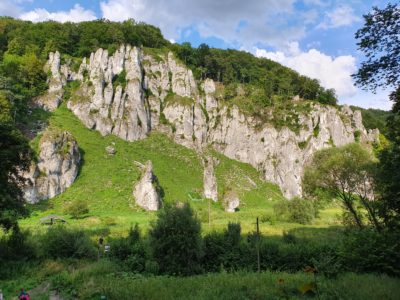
[106, 182]
[90, 280]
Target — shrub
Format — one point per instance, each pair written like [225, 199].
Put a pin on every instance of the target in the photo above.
[370, 251]
[77, 209]
[296, 210]
[60, 242]
[130, 250]
[175, 241]
[16, 246]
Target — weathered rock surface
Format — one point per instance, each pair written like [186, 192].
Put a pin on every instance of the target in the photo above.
[52, 99]
[231, 201]
[209, 179]
[159, 93]
[56, 168]
[146, 190]
[111, 150]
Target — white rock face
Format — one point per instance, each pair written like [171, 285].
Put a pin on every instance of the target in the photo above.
[121, 111]
[231, 202]
[145, 192]
[209, 179]
[56, 169]
[161, 94]
[52, 99]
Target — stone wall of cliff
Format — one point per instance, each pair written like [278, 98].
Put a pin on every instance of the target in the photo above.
[132, 93]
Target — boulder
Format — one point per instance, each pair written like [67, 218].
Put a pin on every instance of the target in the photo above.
[111, 150]
[231, 201]
[209, 179]
[147, 190]
[56, 168]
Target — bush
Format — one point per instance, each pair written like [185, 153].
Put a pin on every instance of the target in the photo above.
[60, 242]
[130, 250]
[369, 251]
[296, 210]
[77, 209]
[16, 246]
[175, 241]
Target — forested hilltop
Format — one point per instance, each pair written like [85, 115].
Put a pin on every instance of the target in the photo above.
[25, 46]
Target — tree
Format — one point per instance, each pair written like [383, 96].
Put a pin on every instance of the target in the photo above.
[175, 241]
[15, 156]
[346, 172]
[379, 39]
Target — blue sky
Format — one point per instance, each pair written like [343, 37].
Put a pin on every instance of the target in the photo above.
[314, 37]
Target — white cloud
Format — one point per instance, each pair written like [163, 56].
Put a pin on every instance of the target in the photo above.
[265, 21]
[75, 14]
[9, 8]
[331, 72]
[341, 16]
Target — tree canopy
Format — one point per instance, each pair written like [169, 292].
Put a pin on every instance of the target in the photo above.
[379, 40]
[348, 174]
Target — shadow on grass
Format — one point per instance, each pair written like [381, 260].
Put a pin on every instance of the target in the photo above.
[309, 235]
[82, 162]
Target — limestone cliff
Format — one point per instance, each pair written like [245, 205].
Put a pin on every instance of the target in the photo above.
[56, 167]
[132, 93]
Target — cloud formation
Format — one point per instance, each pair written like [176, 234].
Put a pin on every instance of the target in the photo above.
[75, 14]
[234, 21]
[9, 8]
[339, 17]
[331, 72]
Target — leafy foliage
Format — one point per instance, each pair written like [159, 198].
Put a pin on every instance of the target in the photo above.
[176, 242]
[369, 251]
[297, 210]
[131, 251]
[77, 209]
[60, 242]
[348, 173]
[15, 156]
[379, 40]
[269, 78]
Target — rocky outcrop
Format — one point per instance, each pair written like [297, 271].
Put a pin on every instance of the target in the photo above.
[56, 81]
[147, 191]
[56, 168]
[231, 201]
[132, 93]
[209, 179]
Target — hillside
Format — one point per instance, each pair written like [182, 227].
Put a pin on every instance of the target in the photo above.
[136, 167]
[106, 182]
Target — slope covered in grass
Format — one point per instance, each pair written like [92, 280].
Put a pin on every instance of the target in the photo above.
[106, 182]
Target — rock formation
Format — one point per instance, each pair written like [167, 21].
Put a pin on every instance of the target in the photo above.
[56, 168]
[146, 191]
[132, 93]
[209, 179]
[231, 201]
[56, 81]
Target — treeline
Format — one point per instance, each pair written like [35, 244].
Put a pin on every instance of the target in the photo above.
[21, 41]
[374, 118]
[233, 67]
[174, 246]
